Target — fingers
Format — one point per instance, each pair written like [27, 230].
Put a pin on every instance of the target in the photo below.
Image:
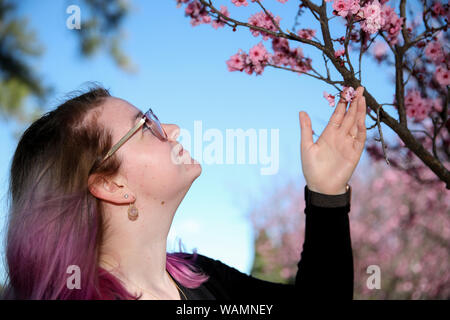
[361, 121]
[338, 114]
[306, 130]
[350, 116]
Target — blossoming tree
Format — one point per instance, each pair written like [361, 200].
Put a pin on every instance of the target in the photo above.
[396, 223]
[416, 46]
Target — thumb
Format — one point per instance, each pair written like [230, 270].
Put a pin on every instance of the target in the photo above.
[306, 130]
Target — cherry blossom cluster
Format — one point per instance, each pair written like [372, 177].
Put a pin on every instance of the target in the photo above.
[437, 55]
[197, 12]
[254, 61]
[416, 107]
[258, 57]
[261, 19]
[306, 33]
[392, 23]
[372, 16]
[348, 93]
[330, 98]
[217, 23]
[285, 56]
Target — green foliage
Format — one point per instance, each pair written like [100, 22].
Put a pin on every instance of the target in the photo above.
[19, 46]
[100, 28]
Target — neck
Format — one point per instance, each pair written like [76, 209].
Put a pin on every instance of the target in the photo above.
[135, 251]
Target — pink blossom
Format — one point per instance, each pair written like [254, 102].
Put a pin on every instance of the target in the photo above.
[416, 106]
[354, 6]
[306, 33]
[392, 23]
[330, 98]
[217, 22]
[280, 44]
[379, 50]
[180, 2]
[197, 12]
[239, 3]
[373, 20]
[442, 76]
[284, 55]
[348, 93]
[346, 7]
[261, 19]
[258, 54]
[236, 62]
[253, 62]
[438, 9]
[434, 51]
[339, 53]
[342, 7]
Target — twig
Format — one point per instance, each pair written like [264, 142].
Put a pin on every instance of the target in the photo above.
[380, 131]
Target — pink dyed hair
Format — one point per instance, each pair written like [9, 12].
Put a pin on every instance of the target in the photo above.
[54, 221]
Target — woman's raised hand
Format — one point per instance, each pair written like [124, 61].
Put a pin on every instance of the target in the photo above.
[329, 163]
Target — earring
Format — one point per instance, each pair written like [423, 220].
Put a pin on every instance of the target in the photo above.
[133, 212]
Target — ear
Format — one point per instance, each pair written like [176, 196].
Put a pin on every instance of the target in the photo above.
[110, 189]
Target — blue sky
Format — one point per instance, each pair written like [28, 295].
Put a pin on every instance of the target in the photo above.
[182, 75]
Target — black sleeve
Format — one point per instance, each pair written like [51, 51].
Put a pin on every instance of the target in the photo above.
[325, 268]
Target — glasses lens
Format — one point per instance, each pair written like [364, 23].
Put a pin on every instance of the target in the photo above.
[153, 123]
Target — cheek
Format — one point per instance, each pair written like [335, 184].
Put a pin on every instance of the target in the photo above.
[154, 174]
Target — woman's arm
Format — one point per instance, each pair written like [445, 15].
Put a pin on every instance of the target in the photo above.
[324, 270]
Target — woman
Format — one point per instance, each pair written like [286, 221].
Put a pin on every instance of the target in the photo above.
[94, 188]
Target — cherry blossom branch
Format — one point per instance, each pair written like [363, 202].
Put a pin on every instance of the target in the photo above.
[290, 36]
[313, 8]
[350, 78]
[346, 41]
[403, 15]
[326, 65]
[381, 139]
[270, 16]
[363, 50]
[319, 77]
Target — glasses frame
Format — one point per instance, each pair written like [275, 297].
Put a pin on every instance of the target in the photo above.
[148, 119]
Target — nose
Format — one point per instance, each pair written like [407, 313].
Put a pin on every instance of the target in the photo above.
[172, 130]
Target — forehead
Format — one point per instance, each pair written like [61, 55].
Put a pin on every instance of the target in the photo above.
[118, 115]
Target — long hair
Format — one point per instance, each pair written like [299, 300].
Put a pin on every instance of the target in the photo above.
[54, 221]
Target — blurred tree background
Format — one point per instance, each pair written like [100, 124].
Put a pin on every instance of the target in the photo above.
[396, 223]
[20, 46]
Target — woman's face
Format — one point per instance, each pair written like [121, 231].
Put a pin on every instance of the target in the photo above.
[150, 167]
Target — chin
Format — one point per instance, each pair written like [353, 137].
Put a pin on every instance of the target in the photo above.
[196, 169]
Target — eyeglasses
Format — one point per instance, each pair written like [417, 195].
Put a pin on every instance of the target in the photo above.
[150, 121]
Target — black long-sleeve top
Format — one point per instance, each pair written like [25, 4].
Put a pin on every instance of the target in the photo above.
[325, 268]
